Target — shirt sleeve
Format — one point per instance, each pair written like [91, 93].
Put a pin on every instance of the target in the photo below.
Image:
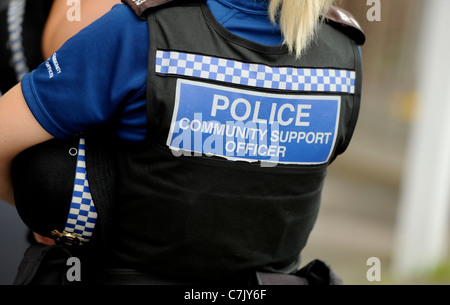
[91, 76]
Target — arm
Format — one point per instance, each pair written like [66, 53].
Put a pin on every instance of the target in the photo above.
[18, 131]
[58, 28]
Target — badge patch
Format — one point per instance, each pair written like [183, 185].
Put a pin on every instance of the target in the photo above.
[245, 125]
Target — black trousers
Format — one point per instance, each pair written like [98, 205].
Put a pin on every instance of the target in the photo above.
[47, 265]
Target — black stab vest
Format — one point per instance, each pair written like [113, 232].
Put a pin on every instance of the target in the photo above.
[188, 208]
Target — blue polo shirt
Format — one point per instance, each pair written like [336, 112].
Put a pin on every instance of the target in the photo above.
[102, 71]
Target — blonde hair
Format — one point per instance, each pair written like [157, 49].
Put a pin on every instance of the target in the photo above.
[298, 20]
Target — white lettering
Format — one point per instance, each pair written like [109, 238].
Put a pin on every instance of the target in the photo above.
[222, 103]
[301, 114]
[254, 149]
[49, 69]
[196, 122]
[185, 126]
[240, 150]
[256, 114]
[280, 114]
[216, 105]
[309, 138]
[56, 64]
[272, 113]
[301, 136]
[201, 295]
[241, 132]
[207, 127]
[231, 148]
[281, 151]
[248, 109]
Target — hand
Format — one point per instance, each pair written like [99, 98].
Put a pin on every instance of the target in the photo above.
[44, 240]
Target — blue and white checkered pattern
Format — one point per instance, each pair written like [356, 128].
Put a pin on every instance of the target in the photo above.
[82, 215]
[16, 11]
[255, 75]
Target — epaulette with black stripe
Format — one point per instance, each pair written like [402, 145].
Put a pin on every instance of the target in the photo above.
[141, 7]
[346, 23]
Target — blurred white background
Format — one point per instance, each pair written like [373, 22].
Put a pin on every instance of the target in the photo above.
[387, 196]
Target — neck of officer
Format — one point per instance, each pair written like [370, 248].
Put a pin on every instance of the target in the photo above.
[250, 6]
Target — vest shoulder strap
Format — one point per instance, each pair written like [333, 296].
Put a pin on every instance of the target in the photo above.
[346, 22]
[141, 7]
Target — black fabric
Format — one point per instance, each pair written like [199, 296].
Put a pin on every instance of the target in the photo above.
[315, 273]
[43, 265]
[124, 276]
[143, 9]
[3, 5]
[206, 218]
[344, 21]
[101, 158]
[43, 178]
[47, 265]
[318, 272]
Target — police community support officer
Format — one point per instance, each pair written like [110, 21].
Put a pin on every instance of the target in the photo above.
[224, 133]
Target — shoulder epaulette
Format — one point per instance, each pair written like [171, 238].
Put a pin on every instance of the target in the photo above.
[345, 22]
[140, 6]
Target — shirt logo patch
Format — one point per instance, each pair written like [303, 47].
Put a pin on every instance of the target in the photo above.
[253, 126]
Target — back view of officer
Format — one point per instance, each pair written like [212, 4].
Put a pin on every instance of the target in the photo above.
[225, 177]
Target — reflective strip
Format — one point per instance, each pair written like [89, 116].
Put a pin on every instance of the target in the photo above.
[82, 215]
[16, 11]
[255, 75]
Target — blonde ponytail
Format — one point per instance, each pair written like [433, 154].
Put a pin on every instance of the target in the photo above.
[298, 20]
